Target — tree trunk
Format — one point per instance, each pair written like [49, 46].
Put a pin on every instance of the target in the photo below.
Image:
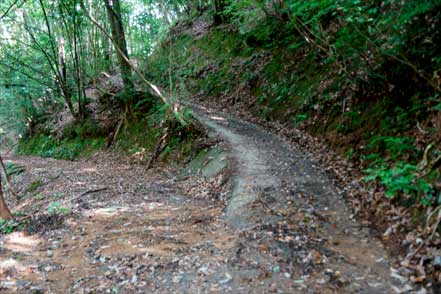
[107, 53]
[5, 213]
[114, 15]
[62, 76]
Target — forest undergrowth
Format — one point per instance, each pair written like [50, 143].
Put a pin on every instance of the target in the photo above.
[355, 83]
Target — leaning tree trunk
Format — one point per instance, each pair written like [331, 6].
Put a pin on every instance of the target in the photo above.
[5, 213]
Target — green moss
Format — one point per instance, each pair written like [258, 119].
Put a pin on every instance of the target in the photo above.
[68, 149]
[87, 128]
[221, 44]
[137, 136]
[141, 136]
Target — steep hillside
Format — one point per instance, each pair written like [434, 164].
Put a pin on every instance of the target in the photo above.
[356, 83]
[225, 146]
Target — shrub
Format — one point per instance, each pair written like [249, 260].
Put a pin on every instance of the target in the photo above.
[401, 180]
[56, 207]
[69, 149]
[395, 147]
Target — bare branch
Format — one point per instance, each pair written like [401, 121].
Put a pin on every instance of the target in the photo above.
[9, 9]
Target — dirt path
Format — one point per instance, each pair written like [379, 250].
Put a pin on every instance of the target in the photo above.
[315, 235]
[283, 230]
[135, 234]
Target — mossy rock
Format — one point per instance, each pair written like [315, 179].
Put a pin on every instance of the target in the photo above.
[208, 163]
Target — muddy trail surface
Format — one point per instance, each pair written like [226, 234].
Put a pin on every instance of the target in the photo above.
[127, 231]
[122, 229]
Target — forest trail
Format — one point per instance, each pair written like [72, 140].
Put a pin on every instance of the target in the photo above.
[279, 188]
[135, 234]
[285, 229]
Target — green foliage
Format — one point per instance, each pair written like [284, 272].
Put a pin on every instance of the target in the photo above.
[350, 154]
[300, 118]
[402, 179]
[10, 226]
[365, 69]
[69, 149]
[87, 128]
[138, 136]
[395, 147]
[33, 186]
[57, 195]
[141, 136]
[13, 169]
[7, 227]
[368, 70]
[40, 196]
[56, 207]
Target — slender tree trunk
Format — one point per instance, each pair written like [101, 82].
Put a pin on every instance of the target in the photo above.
[5, 213]
[52, 56]
[62, 76]
[114, 15]
[4, 210]
[77, 67]
[107, 53]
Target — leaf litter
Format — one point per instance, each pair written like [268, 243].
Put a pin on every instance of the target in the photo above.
[131, 231]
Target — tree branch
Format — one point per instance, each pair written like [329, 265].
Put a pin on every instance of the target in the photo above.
[138, 73]
[9, 9]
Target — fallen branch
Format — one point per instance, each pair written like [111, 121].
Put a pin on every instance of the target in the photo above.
[77, 196]
[437, 221]
[86, 193]
[113, 136]
[426, 166]
[159, 147]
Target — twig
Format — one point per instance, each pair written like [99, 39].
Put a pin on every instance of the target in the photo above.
[428, 165]
[77, 196]
[10, 149]
[9, 9]
[438, 220]
[87, 192]
[424, 132]
[276, 212]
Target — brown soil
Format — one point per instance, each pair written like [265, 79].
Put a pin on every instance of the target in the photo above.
[284, 228]
[138, 218]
